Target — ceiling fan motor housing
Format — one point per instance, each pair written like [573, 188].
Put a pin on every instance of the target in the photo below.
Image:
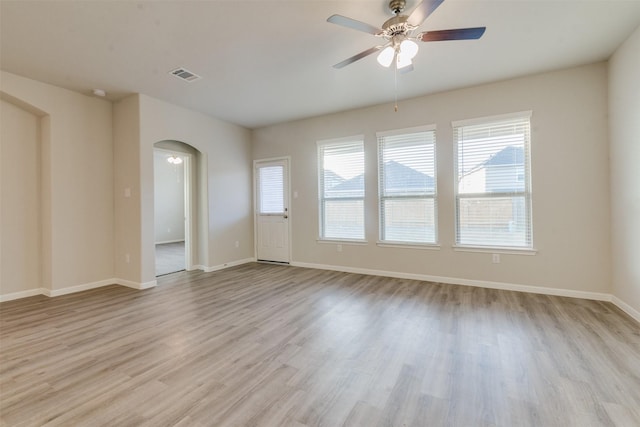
[397, 6]
[395, 26]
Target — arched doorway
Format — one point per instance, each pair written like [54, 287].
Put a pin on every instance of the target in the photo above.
[175, 207]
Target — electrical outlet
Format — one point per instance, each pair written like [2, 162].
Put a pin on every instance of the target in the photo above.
[339, 248]
[127, 258]
[237, 244]
[496, 258]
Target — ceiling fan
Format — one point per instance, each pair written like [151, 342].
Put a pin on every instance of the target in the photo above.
[400, 45]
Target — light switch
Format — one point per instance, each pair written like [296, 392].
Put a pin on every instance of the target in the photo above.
[127, 192]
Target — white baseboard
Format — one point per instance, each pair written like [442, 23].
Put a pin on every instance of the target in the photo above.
[169, 241]
[228, 264]
[625, 307]
[136, 285]
[22, 294]
[106, 282]
[467, 282]
[635, 314]
[78, 288]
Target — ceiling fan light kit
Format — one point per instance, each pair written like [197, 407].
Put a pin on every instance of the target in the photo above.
[400, 45]
[174, 160]
[385, 58]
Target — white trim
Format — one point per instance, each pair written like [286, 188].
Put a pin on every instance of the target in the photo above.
[136, 285]
[79, 288]
[170, 241]
[402, 245]
[635, 314]
[497, 118]
[228, 265]
[342, 242]
[466, 282]
[270, 159]
[416, 129]
[22, 294]
[495, 250]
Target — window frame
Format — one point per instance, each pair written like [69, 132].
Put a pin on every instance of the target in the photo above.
[382, 240]
[526, 193]
[321, 144]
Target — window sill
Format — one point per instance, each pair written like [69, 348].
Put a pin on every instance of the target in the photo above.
[495, 250]
[342, 242]
[421, 246]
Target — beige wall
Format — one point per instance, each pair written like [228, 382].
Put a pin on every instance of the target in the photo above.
[20, 260]
[570, 176]
[624, 110]
[127, 216]
[226, 158]
[77, 182]
[90, 232]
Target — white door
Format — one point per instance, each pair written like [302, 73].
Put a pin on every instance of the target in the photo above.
[272, 210]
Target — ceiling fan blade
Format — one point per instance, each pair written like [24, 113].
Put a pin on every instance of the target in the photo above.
[357, 57]
[458, 34]
[422, 11]
[353, 24]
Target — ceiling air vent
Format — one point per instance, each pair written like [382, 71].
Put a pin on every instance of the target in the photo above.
[184, 74]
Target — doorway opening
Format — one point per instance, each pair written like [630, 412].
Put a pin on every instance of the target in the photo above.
[172, 210]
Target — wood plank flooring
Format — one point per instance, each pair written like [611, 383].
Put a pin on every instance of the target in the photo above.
[265, 345]
[170, 258]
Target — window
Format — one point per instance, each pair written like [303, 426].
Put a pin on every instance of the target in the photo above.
[407, 186]
[271, 193]
[341, 182]
[493, 192]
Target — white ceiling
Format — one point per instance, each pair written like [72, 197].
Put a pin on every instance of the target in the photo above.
[264, 62]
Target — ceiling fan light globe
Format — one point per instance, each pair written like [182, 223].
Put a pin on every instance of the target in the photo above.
[402, 61]
[174, 160]
[385, 58]
[409, 48]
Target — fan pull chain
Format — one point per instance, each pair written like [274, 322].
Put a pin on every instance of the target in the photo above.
[395, 78]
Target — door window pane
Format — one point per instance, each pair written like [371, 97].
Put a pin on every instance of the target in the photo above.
[271, 179]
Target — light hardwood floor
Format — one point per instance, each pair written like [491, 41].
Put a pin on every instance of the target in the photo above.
[264, 345]
[170, 257]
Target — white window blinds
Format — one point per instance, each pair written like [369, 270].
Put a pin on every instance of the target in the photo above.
[407, 186]
[493, 192]
[271, 194]
[341, 190]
